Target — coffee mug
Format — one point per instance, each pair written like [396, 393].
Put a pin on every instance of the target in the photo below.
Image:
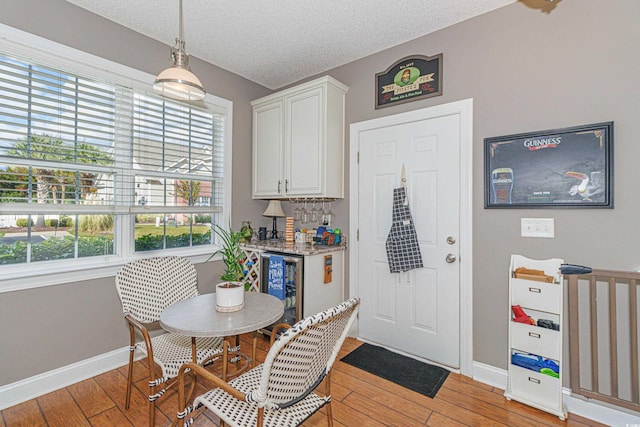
[262, 233]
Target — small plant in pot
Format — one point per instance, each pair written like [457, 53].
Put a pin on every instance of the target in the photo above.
[230, 293]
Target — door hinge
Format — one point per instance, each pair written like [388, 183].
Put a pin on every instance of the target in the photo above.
[358, 235]
[358, 157]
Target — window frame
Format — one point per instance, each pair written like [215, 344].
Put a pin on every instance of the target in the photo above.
[47, 273]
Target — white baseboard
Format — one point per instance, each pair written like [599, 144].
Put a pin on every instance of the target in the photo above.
[497, 377]
[30, 388]
[491, 375]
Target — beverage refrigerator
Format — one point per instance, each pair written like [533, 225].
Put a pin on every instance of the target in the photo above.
[282, 275]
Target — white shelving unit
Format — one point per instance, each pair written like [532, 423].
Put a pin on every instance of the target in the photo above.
[539, 300]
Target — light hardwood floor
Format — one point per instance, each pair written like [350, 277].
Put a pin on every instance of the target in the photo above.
[359, 400]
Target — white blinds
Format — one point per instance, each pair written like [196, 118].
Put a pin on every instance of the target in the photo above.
[177, 155]
[69, 143]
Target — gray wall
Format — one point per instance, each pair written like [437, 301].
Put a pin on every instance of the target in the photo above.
[60, 325]
[525, 70]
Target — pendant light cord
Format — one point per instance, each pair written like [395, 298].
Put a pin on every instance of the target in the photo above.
[180, 29]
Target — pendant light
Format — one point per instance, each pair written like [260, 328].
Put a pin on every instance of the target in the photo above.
[177, 81]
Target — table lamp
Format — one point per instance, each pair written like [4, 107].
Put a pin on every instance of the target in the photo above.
[274, 210]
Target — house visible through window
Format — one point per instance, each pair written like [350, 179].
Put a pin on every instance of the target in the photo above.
[90, 168]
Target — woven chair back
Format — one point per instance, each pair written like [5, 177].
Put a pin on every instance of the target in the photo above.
[148, 286]
[302, 356]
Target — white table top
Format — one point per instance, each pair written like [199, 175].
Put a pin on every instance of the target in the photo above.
[197, 317]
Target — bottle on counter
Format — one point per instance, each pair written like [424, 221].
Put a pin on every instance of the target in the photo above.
[246, 231]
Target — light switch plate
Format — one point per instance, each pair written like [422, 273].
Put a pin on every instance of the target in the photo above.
[537, 227]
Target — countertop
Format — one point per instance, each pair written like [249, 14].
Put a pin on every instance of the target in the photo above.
[296, 248]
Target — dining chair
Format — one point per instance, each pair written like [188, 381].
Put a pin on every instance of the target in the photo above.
[146, 287]
[282, 390]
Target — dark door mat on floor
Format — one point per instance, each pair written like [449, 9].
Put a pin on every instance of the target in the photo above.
[410, 373]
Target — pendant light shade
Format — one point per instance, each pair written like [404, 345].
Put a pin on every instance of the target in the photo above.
[177, 81]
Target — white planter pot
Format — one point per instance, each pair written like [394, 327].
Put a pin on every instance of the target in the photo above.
[229, 296]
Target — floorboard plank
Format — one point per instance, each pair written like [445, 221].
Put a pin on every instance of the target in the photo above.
[392, 417]
[110, 418]
[439, 420]
[60, 410]
[27, 414]
[90, 397]
[495, 412]
[351, 417]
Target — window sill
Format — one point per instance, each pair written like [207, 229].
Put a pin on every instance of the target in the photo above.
[18, 277]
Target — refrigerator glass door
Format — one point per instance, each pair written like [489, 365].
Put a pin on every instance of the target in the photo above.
[281, 276]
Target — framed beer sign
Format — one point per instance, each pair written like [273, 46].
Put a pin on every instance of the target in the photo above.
[567, 168]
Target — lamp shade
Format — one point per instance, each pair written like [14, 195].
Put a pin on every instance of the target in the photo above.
[179, 83]
[274, 209]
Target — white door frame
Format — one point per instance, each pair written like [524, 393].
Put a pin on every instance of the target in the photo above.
[464, 109]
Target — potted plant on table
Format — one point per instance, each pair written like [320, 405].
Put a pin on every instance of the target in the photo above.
[230, 292]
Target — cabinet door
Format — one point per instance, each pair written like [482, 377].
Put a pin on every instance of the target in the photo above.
[319, 292]
[268, 148]
[304, 150]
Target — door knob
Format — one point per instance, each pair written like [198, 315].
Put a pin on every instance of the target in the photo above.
[451, 240]
[450, 258]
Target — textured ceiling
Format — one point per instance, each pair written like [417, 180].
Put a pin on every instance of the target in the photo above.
[278, 42]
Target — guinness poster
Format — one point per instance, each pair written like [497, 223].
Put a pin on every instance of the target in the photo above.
[569, 167]
[409, 79]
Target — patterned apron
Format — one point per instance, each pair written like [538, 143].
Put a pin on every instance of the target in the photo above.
[403, 251]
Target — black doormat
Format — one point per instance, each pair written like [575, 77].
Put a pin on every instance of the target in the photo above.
[410, 373]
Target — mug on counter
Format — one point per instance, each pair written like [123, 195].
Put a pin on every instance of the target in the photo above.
[262, 233]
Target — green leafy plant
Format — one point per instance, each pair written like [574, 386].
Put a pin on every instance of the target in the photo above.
[232, 254]
[22, 222]
[95, 223]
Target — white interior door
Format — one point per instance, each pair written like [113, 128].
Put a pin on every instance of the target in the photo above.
[416, 312]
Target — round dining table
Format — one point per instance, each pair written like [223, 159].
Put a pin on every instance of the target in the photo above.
[198, 317]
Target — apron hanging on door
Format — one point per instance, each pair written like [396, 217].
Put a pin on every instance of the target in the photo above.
[403, 250]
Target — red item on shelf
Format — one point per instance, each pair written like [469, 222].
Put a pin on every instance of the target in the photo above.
[518, 311]
[524, 319]
[520, 316]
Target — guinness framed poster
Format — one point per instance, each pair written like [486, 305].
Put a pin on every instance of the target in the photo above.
[409, 79]
[569, 168]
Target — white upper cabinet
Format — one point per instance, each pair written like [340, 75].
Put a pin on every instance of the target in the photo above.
[298, 142]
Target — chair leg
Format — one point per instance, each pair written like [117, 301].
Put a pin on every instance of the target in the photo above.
[152, 413]
[260, 417]
[152, 392]
[127, 401]
[225, 358]
[327, 392]
[254, 347]
[329, 415]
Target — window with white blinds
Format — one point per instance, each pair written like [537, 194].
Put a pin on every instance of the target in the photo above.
[91, 168]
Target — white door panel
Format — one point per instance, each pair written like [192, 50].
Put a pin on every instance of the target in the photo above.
[416, 312]
[384, 296]
[426, 294]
